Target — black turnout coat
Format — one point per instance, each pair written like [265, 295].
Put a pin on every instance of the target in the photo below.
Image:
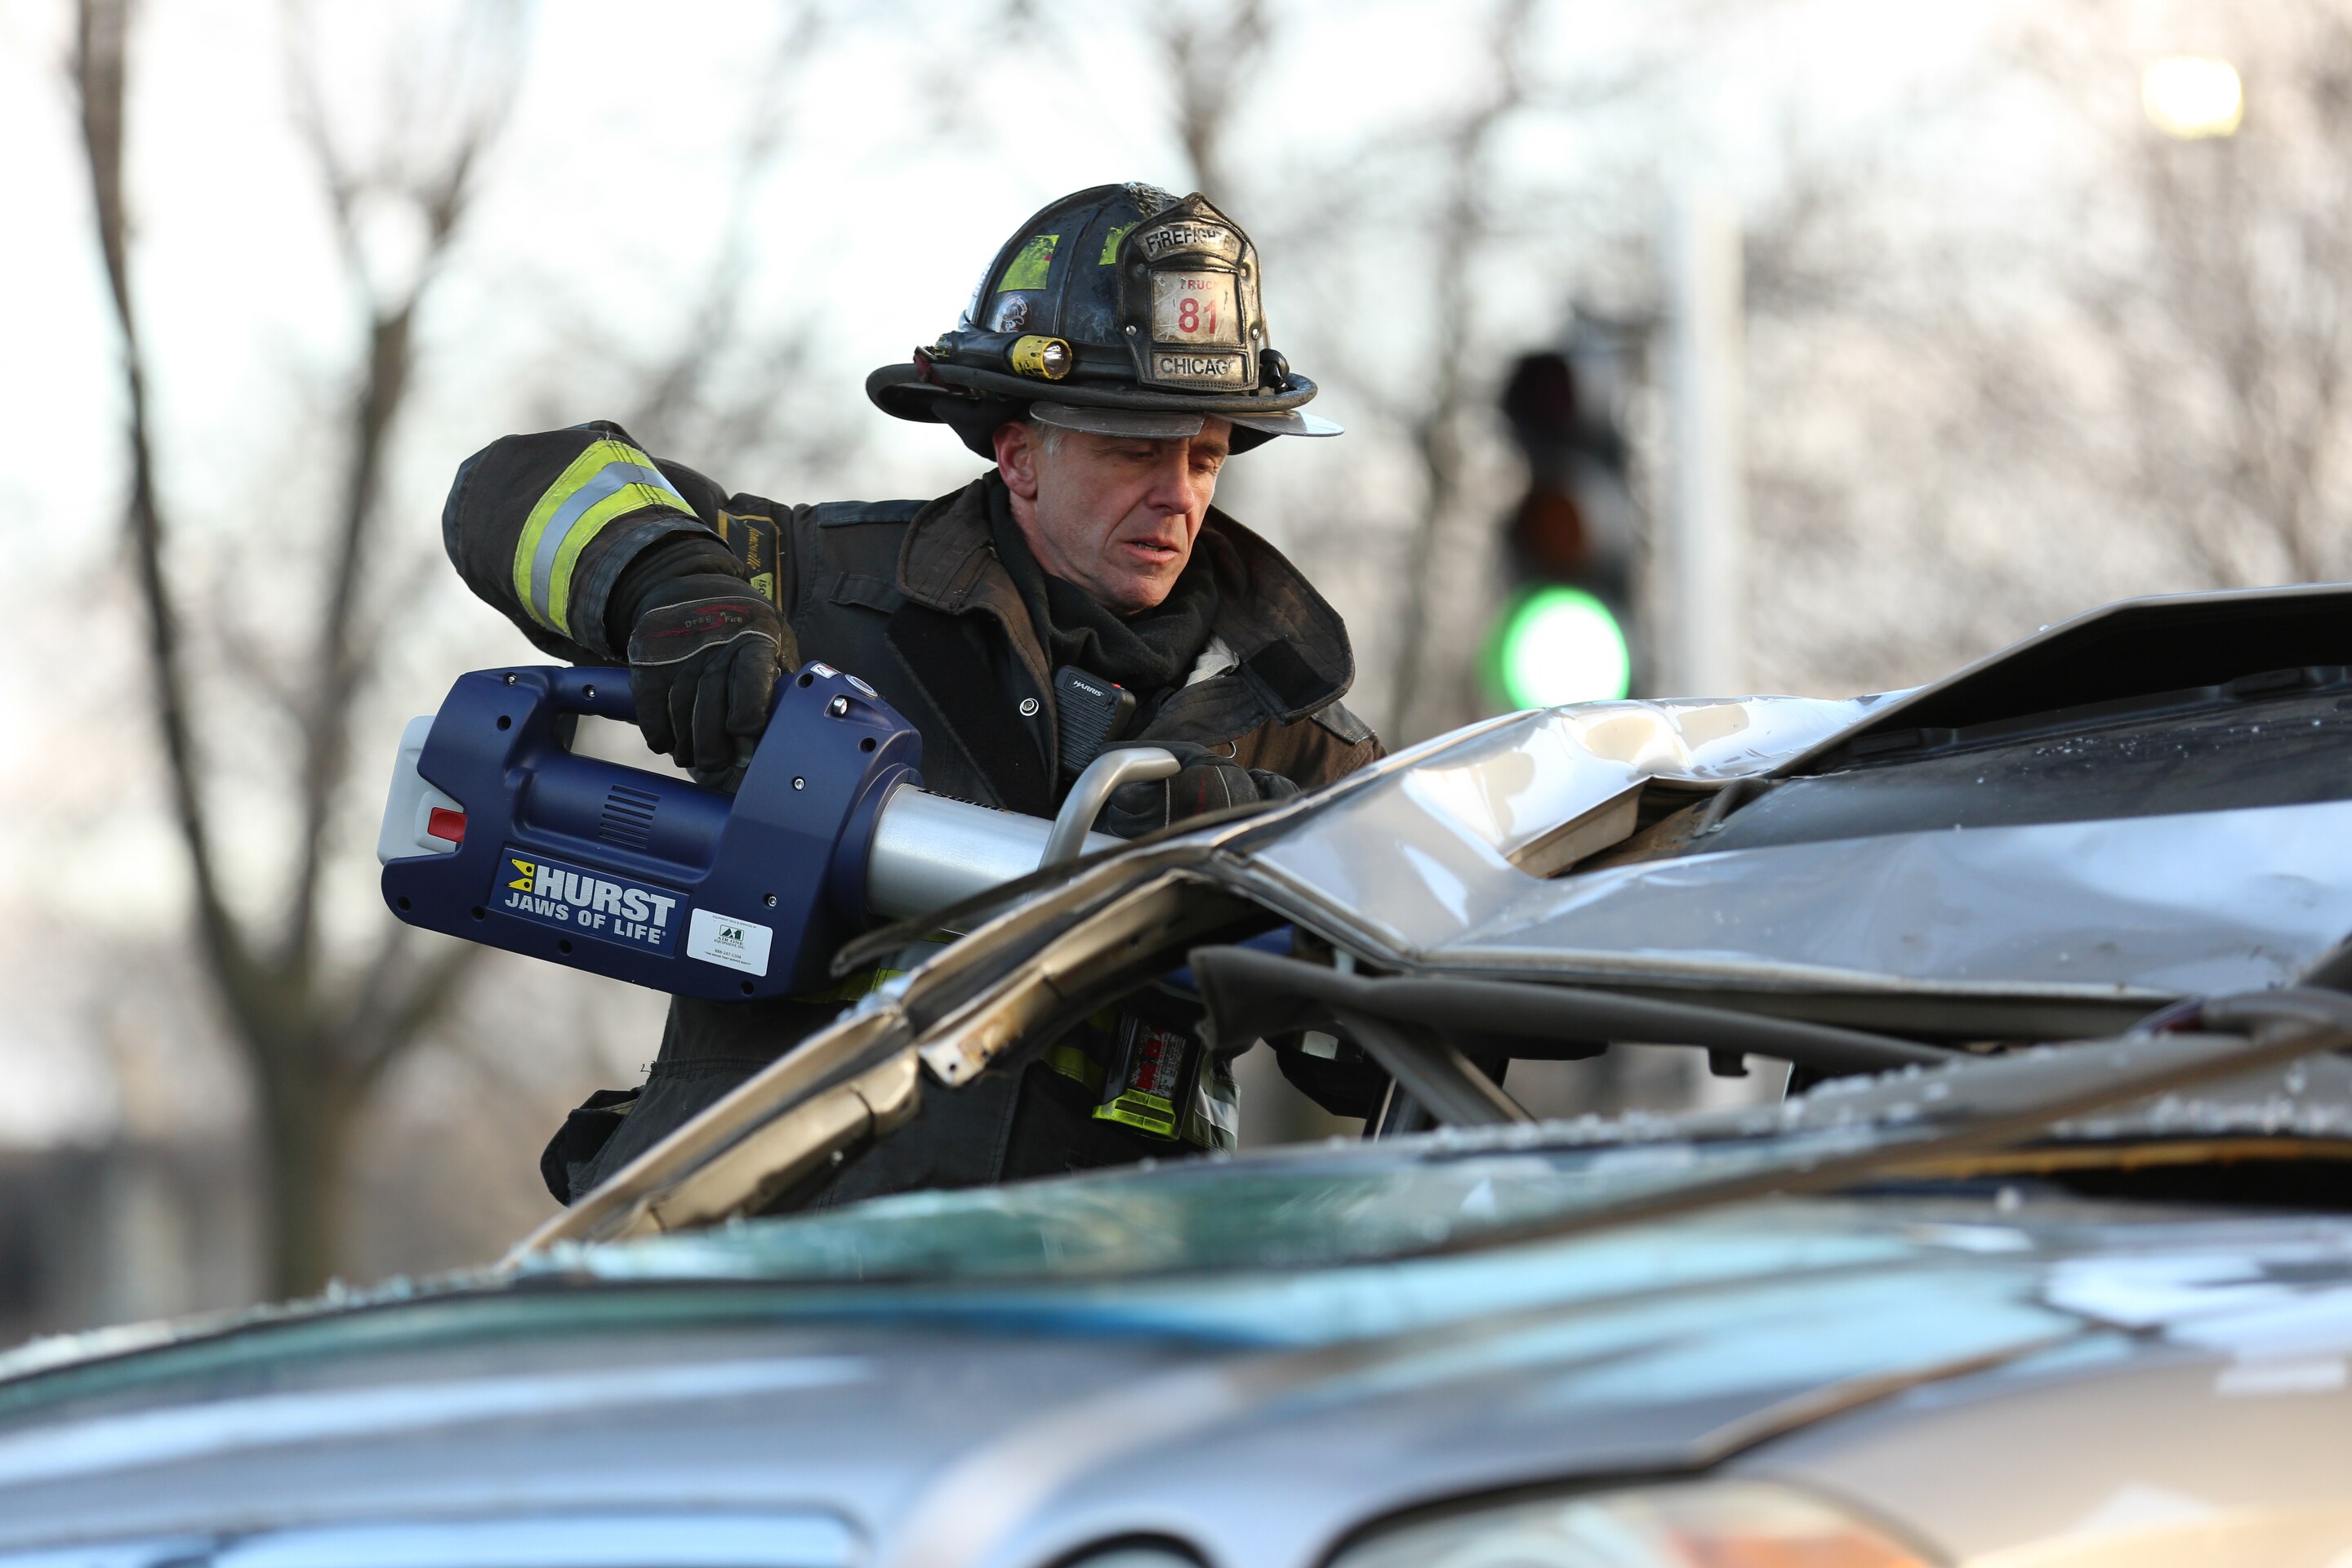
[909, 595]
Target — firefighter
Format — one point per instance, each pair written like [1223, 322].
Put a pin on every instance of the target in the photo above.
[1112, 361]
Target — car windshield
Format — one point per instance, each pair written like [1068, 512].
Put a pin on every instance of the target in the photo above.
[1287, 1210]
[1459, 1190]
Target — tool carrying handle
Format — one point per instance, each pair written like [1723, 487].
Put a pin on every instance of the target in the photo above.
[599, 689]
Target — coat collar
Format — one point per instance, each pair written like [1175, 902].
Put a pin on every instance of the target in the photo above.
[1293, 646]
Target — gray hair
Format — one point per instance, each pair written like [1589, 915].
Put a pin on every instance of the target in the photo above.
[1047, 437]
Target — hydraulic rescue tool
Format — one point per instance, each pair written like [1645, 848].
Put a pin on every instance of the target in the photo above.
[498, 832]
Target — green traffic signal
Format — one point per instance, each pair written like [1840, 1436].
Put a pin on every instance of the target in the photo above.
[1560, 645]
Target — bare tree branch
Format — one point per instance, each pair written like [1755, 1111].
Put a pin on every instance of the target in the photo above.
[339, 658]
[314, 1049]
[376, 1037]
[680, 382]
[99, 70]
[1212, 59]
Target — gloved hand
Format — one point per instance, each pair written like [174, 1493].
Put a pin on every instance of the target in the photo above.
[704, 657]
[1208, 781]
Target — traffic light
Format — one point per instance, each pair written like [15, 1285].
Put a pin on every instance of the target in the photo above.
[1566, 631]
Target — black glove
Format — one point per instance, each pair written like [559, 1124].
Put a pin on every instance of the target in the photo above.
[1207, 782]
[705, 653]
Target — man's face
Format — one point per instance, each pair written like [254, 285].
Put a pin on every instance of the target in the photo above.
[1116, 515]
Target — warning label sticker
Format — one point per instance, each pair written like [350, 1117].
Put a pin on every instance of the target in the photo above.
[593, 903]
[723, 938]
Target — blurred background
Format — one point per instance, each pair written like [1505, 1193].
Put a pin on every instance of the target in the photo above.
[1813, 346]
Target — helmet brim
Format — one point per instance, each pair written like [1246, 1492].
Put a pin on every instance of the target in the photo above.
[1160, 426]
[1145, 423]
[1294, 393]
[974, 403]
[1289, 423]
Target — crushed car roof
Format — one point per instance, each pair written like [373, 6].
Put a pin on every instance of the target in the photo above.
[1959, 841]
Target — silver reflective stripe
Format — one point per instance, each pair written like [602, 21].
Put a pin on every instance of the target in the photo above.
[694, 1537]
[128, 1441]
[1215, 1118]
[609, 479]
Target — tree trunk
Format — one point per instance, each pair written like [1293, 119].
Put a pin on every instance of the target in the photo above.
[307, 1116]
[315, 1048]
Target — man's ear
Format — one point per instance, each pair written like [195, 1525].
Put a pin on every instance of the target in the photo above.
[1016, 458]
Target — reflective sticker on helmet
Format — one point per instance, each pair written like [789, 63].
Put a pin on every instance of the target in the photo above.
[1194, 307]
[1110, 244]
[1029, 268]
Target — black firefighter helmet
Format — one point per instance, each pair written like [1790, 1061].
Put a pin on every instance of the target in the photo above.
[1121, 311]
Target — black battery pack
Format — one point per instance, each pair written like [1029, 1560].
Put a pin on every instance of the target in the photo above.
[1093, 714]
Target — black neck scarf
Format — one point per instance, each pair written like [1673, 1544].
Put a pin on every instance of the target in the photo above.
[1148, 652]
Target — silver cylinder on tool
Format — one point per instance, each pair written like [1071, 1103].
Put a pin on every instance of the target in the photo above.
[930, 851]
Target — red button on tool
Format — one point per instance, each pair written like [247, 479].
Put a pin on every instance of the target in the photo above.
[443, 823]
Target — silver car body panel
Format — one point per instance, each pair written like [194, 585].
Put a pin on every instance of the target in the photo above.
[668, 1537]
[1259, 1417]
[2220, 1432]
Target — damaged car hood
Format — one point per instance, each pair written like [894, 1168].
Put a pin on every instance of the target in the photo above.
[998, 1411]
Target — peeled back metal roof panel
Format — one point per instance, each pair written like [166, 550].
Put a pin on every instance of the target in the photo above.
[1417, 863]
[2149, 907]
[1421, 853]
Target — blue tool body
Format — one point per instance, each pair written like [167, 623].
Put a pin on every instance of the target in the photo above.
[646, 876]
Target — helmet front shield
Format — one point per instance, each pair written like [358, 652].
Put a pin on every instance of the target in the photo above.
[1189, 303]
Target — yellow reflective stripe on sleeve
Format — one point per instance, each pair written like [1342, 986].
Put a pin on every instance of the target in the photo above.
[586, 527]
[607, 479]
